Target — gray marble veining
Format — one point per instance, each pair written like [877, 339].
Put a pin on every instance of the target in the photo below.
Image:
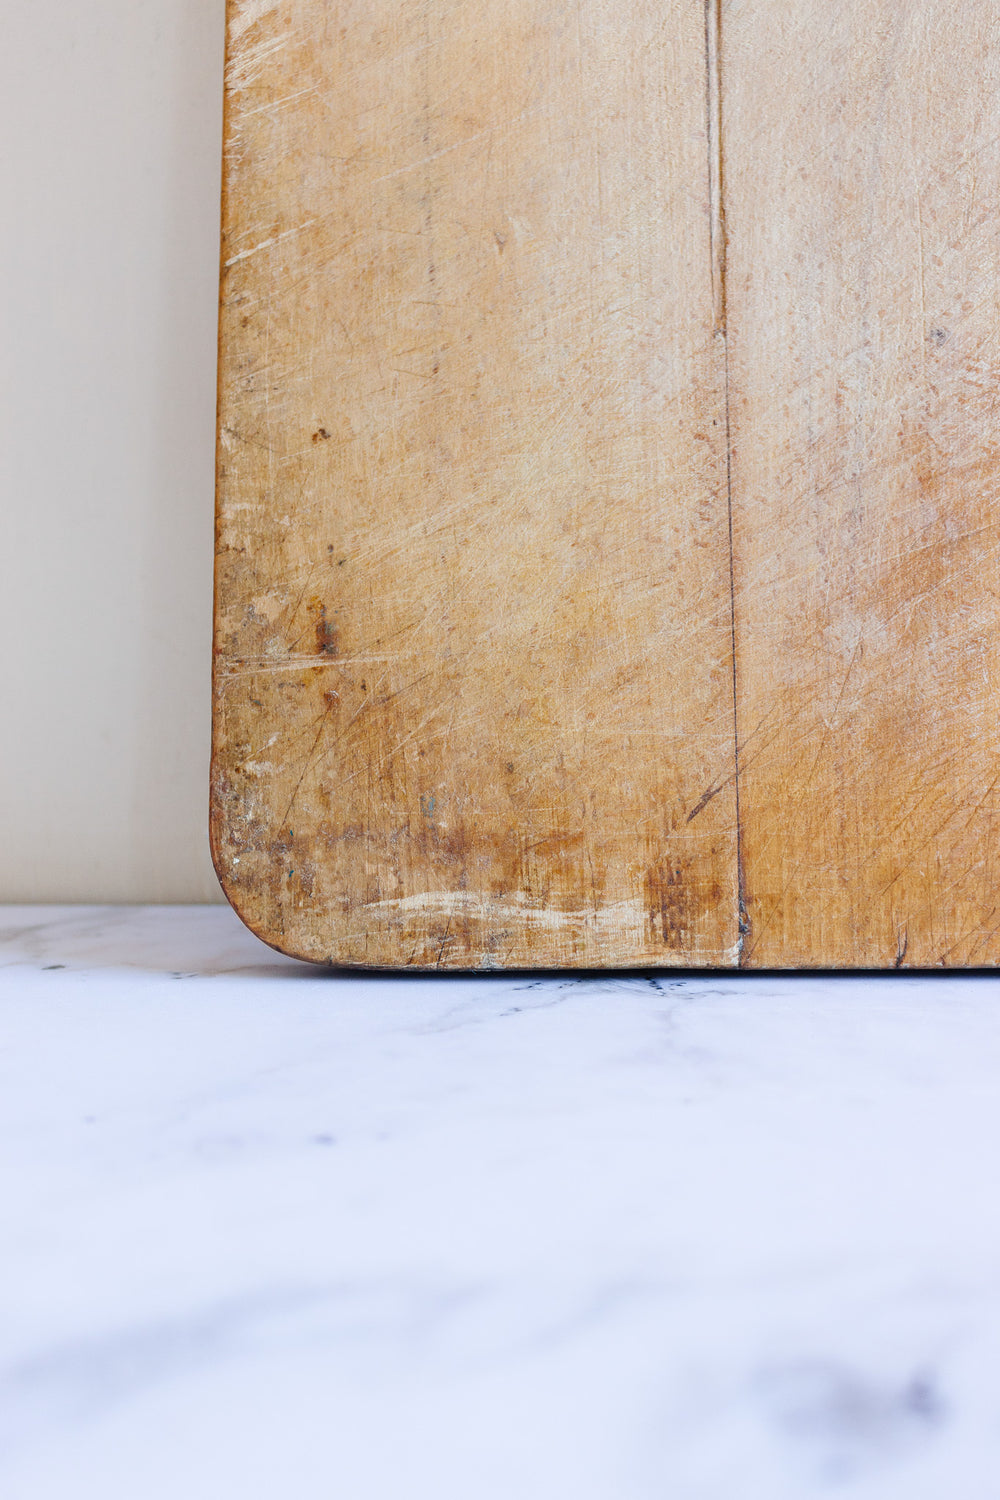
[268, 1231]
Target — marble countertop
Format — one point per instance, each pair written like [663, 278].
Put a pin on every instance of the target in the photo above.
[269, 1232]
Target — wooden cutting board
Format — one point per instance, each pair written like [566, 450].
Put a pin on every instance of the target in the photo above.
[608, 482]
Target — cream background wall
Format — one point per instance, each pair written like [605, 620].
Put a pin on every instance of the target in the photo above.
[109, 175]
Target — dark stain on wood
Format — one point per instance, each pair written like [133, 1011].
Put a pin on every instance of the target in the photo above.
[666, 895]
[327, 634]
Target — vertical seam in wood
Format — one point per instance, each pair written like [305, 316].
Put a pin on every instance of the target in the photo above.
[717, 218]
[743, 917]
[717, 240]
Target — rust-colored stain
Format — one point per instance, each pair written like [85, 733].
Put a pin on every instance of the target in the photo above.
[326, 632]
[607, 484]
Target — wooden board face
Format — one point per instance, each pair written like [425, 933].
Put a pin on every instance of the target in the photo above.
[608, 482]
[473, 632]
[862, 170]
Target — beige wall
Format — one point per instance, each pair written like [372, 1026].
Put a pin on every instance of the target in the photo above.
[109, 178]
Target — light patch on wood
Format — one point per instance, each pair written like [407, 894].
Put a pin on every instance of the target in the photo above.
[247, 13]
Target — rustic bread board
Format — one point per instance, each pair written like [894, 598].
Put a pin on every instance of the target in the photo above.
[605, 425]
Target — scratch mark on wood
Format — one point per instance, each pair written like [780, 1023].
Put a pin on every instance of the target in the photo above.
[903, 942]
[703, 801]
[274, 239]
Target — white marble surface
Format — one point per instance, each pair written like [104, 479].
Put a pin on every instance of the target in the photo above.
[272, 1233]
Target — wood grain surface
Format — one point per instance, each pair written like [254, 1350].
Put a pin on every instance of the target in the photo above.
[607, 484]
[474, 638]
[862, 152]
